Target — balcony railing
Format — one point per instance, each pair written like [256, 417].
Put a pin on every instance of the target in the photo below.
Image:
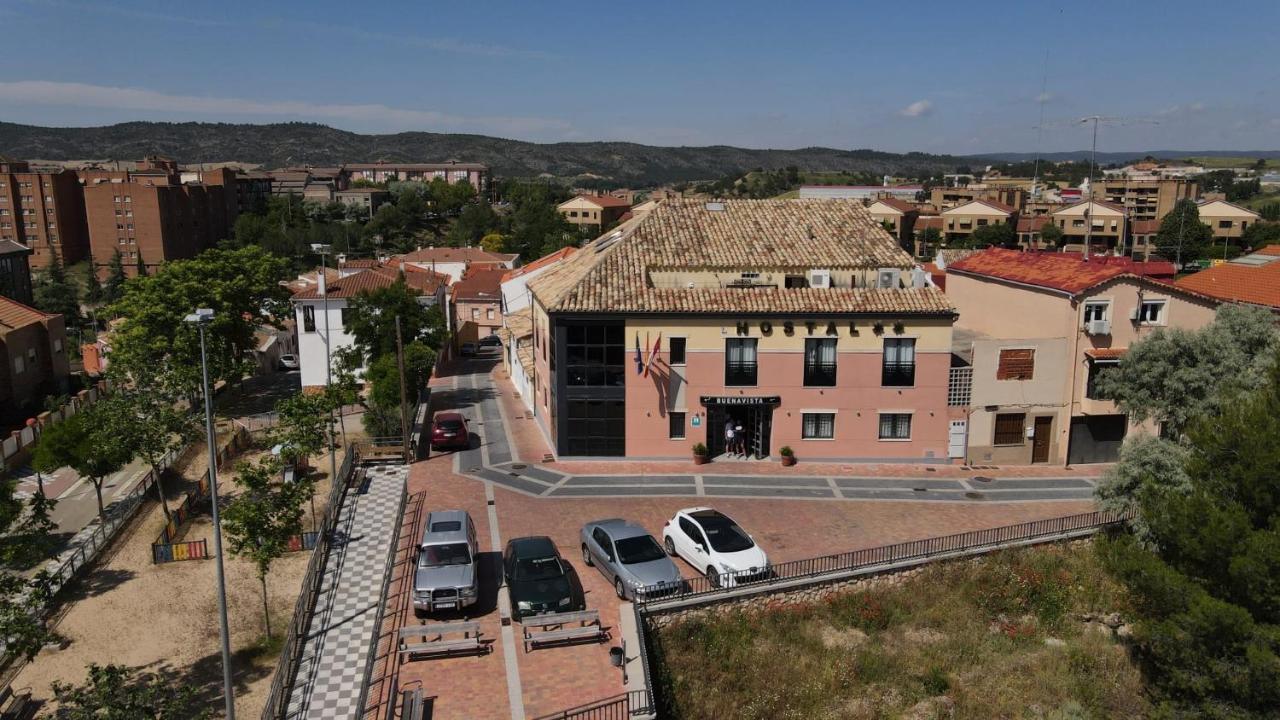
[820, 375]
[739, 373]
[898, 374]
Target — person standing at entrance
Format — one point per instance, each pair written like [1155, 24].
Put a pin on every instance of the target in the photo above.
[729, 441]
[740, 436]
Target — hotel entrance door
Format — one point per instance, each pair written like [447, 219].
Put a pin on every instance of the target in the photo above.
[754, 415]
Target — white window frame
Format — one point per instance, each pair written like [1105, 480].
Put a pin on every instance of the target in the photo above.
[1163, 318]
[1106, 310]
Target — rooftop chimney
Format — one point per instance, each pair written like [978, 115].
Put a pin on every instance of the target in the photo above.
[320, 281]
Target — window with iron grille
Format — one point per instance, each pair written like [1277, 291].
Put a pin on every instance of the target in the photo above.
[676, 430]
[820, 362]
[1016, 364]
[740, 361]
[818, 426]
[1010, 429]
[308, 318]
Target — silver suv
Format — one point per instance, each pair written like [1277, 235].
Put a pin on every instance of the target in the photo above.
[446, 577]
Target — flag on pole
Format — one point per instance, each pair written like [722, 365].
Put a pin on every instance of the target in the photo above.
[653, 353]
[639, 362]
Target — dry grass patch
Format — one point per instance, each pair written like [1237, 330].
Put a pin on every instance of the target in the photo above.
[959, 640]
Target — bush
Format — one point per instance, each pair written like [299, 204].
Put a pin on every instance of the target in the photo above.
[699, 449]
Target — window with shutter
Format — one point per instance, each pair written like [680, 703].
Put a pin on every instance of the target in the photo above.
[1016, 365]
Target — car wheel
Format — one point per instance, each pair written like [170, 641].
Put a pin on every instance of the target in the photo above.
[713, 577]
[669, 546]
[420, 614]
[620, 589]
[586, 557]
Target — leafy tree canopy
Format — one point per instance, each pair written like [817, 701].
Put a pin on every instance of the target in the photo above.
[371, 320]
[114, 692]
[1182, 237]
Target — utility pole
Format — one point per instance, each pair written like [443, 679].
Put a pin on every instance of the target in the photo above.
[1093, 163]
[404, 400]
[323, 251]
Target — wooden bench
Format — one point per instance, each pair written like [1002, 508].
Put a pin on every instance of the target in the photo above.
[433, 640]
[553, 628]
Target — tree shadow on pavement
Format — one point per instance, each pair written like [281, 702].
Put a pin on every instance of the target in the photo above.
[101, 580]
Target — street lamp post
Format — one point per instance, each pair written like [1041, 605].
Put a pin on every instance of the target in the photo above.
[201, 318]
[323, 251]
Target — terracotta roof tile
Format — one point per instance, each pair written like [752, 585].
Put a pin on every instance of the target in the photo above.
[604, 201]
[1145, 227]
[14, 314]
[9, 247]
[480, 283]
[1054, 271]
[901, 206]
[1106, 353]
[928, 221]
[1032, 224]
[371, 279]
[1268, 250]
[454, 255]
[613, 273]
[540, 263]
[1234, 282]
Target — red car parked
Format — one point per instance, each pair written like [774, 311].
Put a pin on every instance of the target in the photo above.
[449, 432]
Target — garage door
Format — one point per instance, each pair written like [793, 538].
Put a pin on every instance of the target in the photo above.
[1096, 438]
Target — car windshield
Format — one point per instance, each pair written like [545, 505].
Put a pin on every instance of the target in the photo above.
[533, 569]
[446, 554]
[449, 425]
[640, 549]
[724, 534]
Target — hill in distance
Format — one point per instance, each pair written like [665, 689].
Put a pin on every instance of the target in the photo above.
[617, 163]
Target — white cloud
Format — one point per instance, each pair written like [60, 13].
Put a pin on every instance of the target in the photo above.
[40, 92]
[1044, 97]
[919, 108]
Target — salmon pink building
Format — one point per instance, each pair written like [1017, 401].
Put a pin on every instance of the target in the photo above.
[800, 321]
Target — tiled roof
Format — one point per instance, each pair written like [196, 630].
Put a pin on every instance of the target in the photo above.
[1268, 250]
[612, 273]
[1054, 271]
[455, 255]
[427, 281]
[1106, 353]
[14, 314]
[9, 247]
[1032, 224]
[1096, 203]
[519, 323]
[925, 222]
[992, 204]
[540, 263]
[901, 206]
[480, 283]
[372, 279]
[604, 201]
[359, 263]
[1145, 227]
[1234, 282]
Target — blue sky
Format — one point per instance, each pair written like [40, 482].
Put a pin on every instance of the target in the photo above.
[934, 77]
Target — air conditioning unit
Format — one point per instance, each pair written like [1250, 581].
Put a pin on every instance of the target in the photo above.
[1097, 327]
[820, 278]
[888, 278]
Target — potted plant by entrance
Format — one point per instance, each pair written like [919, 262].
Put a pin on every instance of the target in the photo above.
[699, 454]
[788, 456]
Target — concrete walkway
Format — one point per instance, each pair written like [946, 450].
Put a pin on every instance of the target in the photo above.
[343, 626]
[476, 395]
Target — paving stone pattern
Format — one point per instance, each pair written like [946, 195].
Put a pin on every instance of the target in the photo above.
[343, 626]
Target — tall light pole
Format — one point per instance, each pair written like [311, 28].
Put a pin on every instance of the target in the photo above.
[323, 251]
[1093, 162]
[201, 318]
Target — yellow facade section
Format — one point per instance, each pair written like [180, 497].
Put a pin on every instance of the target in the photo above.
[931, 334]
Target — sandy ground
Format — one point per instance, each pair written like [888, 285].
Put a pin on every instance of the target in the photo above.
[164, 619]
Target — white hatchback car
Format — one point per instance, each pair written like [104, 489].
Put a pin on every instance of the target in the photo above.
[714, 544]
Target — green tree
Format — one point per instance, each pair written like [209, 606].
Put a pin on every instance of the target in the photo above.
[303, 422]
[241, 286]
[115, 692]
[93, 292]
[1207, 586]
[383, 375]
[371, 320]
[1174, 375]
[263, 517]
[1259, 235]
[22, 606]
[994, 235]
[151, 425]
[87, 442]
[141, 268]
[1050, 235]
[1182, 237]
[26, 528]
[494, 242]
[450, 198]
[55, 293]
[114, 287]
[1149, 466]
[930, 239]
[476, 222]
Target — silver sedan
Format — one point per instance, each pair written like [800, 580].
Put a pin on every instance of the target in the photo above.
[628, 557]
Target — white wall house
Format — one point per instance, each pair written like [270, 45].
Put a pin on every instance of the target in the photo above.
[329, 301]
[455, 261]
[517, 324]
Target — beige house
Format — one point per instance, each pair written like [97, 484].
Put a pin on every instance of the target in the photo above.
[945, 198]
[961, 220]
[1107, 221]
[1145, 198]
[598, 211]
[1227, 220]
[1035, 363]
[898, 217]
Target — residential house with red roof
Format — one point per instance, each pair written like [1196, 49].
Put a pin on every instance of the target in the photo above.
[962, 220]
[899, 218]
[321, 302]
[475, 303]
[1099, 224]
[33, 358]
[1036, 329]
[454, 261]
[593, 211]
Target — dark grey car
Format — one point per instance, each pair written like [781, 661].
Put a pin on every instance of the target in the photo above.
[628, 557]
